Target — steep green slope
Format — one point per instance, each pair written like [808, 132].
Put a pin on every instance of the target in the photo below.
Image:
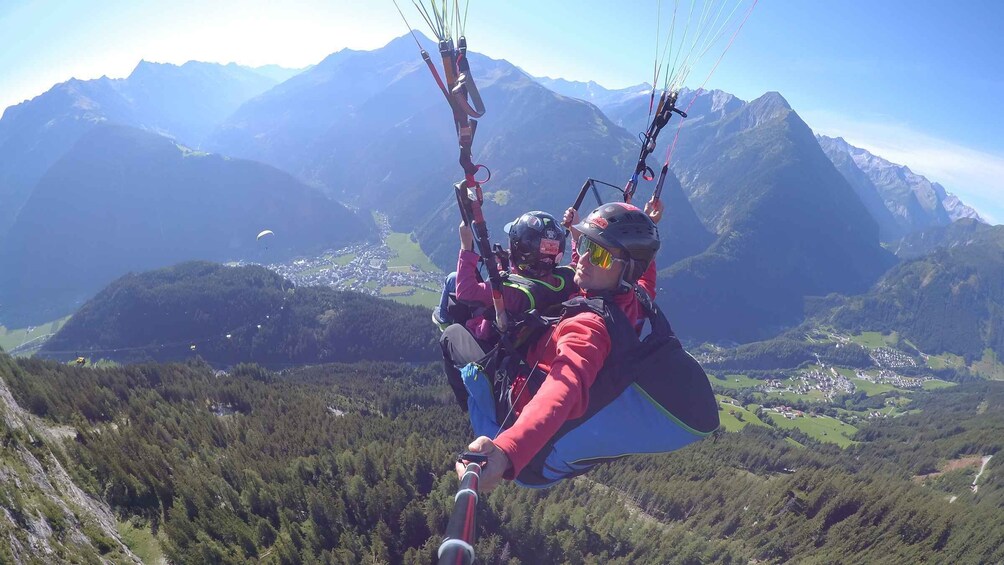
[44, 516]
[353, 463]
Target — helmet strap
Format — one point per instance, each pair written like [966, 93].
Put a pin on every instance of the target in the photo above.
[626, 274]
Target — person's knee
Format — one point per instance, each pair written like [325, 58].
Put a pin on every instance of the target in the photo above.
[449, 337]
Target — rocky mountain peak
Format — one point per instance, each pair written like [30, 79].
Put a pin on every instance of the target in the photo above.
[915, 201]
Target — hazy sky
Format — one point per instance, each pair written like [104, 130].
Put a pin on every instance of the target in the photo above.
[918, 82]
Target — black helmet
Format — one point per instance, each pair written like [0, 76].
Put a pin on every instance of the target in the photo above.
[619, 226]
[536, 243]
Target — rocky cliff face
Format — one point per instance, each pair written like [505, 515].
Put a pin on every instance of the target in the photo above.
[44, 516]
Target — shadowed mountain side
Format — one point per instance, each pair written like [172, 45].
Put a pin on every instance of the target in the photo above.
[239, 314]
[182, 102]
[540, 146]
[889, 228]
[125, 200]
[789, 226]
[34, 134]
[680, 230]
[949, 301]
[283, 126]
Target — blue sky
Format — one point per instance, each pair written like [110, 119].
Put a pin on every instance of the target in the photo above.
[918, 82]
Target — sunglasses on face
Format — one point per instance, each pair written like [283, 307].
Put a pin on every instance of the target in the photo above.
[598, 255]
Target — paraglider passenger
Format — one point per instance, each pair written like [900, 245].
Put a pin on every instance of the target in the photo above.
[536, 282]
[614, 249]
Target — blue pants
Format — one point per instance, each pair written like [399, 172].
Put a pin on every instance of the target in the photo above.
[449, 287]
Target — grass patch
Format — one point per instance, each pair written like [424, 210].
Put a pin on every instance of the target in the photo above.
[421, 297]
[793, 442]
[392, 289]
[11, 338]
[821, 428]
[989, 366]
[328, 262]
[318, 269]
[936, 384]
[734, 418]
[873, 340]
[736, 382]
[870, 388]
[945, 360]
[408, 253]
[99, 364]
[814, 395]
[141, 541]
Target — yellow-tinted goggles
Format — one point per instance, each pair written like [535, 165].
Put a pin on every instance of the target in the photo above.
[598, 255]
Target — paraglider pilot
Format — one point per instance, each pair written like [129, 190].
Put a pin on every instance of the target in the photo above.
[614, 249]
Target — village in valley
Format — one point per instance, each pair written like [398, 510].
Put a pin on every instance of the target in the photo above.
[824, 401]
[393, 268]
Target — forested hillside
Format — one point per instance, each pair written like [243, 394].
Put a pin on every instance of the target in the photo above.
[351, 463]
[951, 300]
[227, 315]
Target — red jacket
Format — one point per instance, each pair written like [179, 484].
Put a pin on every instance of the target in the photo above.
[572, 354]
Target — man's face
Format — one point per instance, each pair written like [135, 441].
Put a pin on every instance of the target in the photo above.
[591, 277]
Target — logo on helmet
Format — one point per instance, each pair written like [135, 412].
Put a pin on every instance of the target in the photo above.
[626, 206]
[599, 222]
[549, 246]
[532, 221]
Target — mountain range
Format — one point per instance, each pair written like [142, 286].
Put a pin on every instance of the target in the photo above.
[901, 201]
[788, 225]
[372, 128]
[760, 217]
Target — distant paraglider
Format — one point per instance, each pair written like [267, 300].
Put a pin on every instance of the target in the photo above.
[264, 239]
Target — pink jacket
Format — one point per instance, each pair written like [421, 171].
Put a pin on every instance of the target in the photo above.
[471, 291]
